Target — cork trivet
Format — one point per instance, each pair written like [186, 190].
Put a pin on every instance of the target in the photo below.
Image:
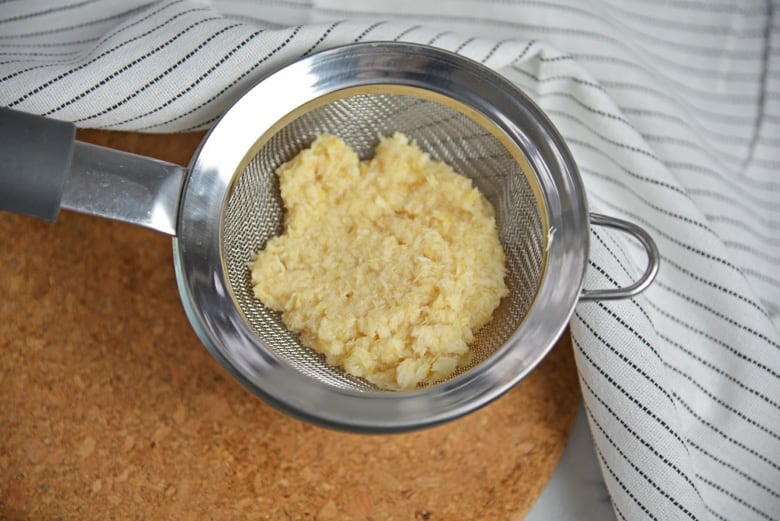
[110, 408]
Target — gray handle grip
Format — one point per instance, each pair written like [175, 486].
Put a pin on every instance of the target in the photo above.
[35, 157]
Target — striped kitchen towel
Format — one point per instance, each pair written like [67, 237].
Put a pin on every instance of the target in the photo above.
[672, 111]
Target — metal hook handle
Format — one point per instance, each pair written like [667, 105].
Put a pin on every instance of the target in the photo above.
[653, 260]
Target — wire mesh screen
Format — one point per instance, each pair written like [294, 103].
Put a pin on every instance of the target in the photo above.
[255, 211]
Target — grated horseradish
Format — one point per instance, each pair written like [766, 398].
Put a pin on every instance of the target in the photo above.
[386, 266]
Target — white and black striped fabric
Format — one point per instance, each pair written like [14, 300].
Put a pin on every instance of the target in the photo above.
[672, 110]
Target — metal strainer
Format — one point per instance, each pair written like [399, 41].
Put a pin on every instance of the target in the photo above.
[226, 206]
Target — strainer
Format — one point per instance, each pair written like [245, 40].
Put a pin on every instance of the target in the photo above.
[226, 205]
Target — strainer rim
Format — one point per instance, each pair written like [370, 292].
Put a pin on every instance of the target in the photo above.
[204, 286]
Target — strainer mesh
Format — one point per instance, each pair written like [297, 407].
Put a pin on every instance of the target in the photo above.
[254, 212]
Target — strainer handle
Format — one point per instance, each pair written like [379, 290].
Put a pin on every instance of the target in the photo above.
[653, 260]
[35, 155]
[44, 168]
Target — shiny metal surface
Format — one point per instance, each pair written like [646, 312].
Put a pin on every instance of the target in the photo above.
[124, 187]
[653, 260]
[321, 92]
[225, 206]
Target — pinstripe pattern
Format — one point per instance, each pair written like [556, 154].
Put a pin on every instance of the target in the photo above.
[672, 111]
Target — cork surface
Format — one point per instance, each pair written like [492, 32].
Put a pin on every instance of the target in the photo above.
[110, 408]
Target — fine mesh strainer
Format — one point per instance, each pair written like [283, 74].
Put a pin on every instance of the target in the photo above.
[226, 205]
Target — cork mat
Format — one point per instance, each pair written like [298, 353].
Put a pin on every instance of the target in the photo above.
[110, 408]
